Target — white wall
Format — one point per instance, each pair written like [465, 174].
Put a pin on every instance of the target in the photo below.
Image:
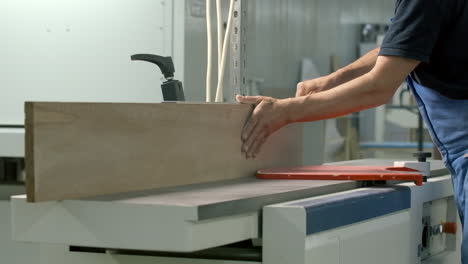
[67, 50]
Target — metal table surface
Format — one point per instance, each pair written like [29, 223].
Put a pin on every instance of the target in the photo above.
[188, 218]
[227, 198]
[182, 219]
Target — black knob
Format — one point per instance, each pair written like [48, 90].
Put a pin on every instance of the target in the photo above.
[422, 156]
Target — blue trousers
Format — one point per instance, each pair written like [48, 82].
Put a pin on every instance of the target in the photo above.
[447, 121]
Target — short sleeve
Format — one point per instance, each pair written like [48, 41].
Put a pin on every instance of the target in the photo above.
[415, 29]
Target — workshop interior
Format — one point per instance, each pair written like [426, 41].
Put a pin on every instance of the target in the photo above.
[102, 58]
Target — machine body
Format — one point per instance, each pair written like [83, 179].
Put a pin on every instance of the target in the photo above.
[287, 221]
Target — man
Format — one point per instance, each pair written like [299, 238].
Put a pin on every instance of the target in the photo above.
[427, 44]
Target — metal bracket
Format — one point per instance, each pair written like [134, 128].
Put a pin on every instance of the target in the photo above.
[238, 48]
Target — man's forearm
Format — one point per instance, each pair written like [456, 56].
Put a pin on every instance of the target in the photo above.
[354, 70]
[371, 89]
[355, 95]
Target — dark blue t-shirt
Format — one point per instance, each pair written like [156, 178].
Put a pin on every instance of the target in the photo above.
[434, 32]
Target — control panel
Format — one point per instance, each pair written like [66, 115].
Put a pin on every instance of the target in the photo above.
[439, 227]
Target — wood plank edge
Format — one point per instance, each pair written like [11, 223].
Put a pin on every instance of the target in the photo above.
[29, 152]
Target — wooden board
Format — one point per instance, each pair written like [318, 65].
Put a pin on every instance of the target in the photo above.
[76, 150]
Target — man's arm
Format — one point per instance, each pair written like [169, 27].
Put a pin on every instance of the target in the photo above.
[343, 75]
[369, 90]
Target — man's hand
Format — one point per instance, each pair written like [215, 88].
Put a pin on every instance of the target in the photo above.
[269, 115]
[313, 86]
[369, 90]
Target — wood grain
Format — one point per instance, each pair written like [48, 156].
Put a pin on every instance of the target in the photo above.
[76, 150]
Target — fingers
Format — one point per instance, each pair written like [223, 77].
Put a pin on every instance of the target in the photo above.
[251, 127]
[253, 145]
[255, 134]
[256, 147]
[300, 89]
[248, 128]
[257, 127]
[307, 87]
[252, 131]
[249, 142]
[254, 100]
[252, 121]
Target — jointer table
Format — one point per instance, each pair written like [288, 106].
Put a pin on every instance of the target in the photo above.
[286, 219]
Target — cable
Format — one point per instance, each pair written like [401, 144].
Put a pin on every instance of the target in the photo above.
[219, 20]
[219, 88]
[209, 65]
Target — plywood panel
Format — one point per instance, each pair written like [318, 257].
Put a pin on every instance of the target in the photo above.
[76, 150]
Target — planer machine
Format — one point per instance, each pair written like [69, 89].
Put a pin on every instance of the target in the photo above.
[253, 221]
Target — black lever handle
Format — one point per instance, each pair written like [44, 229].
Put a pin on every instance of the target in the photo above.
[165, 64]
[422, 156]
[172, 90]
